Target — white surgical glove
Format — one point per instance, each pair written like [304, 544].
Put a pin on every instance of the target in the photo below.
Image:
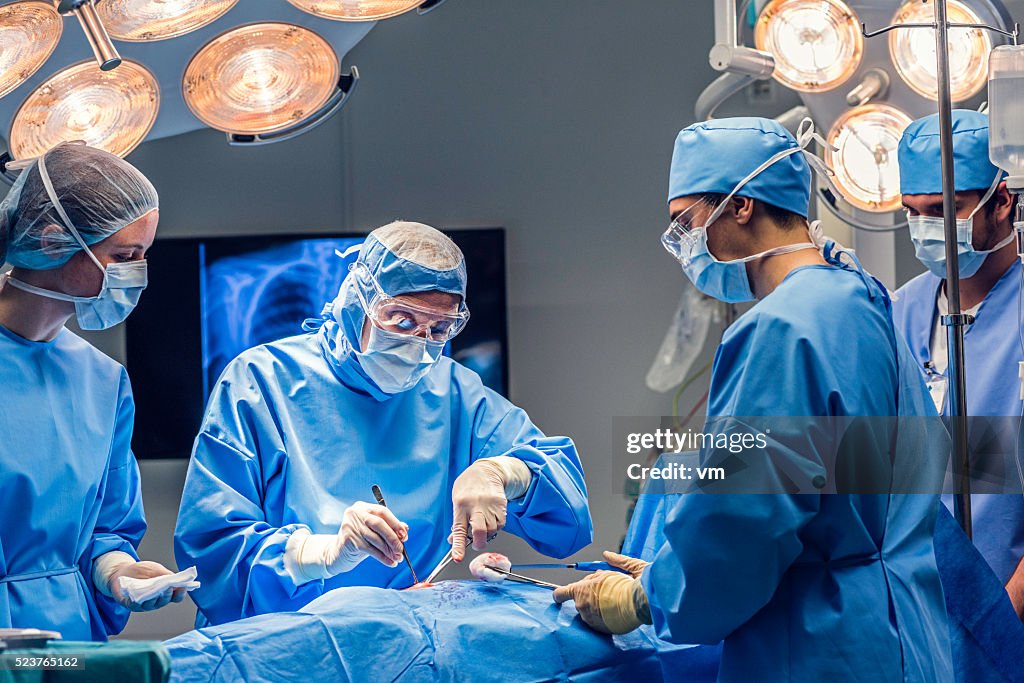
[109, 568]
[479, 498]
[367, 530]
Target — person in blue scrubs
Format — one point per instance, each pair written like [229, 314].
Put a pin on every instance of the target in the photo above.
[809, 586]
[277, 507]
[990, 290]
[75, 226]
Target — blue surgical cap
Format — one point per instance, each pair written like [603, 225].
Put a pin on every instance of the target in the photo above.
[921, 159]
[714, 156]
[404, 258]
[100, 192]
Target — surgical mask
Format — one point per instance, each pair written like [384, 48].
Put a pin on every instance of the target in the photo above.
[928, 234]
[397, 362]
[122, 286]
[727, 280]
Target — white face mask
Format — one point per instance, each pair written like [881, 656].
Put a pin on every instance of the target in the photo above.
[397, 362]
[122, 286]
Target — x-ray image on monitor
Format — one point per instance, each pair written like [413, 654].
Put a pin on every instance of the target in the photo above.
[264, 295]
[210, 299]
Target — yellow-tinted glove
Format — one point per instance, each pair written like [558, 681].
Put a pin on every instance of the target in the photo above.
[609, 602]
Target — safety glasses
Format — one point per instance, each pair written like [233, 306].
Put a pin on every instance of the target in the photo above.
[402, 316]
[680, 237]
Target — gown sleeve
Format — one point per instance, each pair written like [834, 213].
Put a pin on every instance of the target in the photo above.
[553, 516]
[725, 555]
[222, 528]
[121, 522]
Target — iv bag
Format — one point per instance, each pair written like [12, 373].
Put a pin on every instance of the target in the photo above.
[1006, 125]
[684, 339]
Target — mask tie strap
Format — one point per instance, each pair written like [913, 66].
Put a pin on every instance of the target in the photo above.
[59, 208]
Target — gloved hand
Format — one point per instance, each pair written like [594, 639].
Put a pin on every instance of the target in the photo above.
[367, 530]
[634, 566]
[609, 602]
[140, 570]
[478, 501]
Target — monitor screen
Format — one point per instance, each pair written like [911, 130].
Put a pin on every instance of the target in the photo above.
[210, 299]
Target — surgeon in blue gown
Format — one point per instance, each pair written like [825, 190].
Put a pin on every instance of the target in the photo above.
[75, 226]
[990, 290]
[802, 587]
[277, 507]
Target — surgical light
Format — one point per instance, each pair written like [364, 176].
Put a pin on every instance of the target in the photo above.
[817, 44]
[144, 20]
[29, 32]
[866, 167]
[357, 10]
[913, 50]
[261, 78]
[111, 110]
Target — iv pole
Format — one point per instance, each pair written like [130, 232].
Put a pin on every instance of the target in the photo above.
[956, 321]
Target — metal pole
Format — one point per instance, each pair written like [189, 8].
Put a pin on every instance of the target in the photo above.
[956, 321]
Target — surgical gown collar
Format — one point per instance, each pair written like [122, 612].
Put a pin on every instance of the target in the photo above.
[342, 321]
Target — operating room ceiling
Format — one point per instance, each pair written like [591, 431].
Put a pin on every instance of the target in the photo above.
[167, 59]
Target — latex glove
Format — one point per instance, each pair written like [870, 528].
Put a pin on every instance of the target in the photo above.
[110, 567]
[634, 566]
[367, 530]
[480, 497]
[609, 602]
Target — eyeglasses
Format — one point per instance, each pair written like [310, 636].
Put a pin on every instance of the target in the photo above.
[402, 316]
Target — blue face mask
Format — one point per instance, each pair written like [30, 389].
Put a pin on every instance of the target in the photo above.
[397, 362]
[123, 284]
[727, 280]
[928, 234]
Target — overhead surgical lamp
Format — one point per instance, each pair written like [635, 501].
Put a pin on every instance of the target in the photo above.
[110, 110]
[866, 139]
[29, 32]
[913, 52]
[145, 20]
[106, 54]
[817, 44]
[266, 82]
[363, 10]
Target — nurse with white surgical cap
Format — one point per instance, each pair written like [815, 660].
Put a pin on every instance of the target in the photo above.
[275, 510]
[76, 227]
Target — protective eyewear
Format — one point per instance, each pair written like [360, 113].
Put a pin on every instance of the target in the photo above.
[679, 238]
[402, 316]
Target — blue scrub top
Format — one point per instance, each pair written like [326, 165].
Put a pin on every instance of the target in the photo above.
[809, 587]
[286, 444]
[992, 350]
[69, 484]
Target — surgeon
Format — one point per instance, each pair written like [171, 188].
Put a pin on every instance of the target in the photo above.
[76, 227]
[801, 587]
[277, 507]
[990, 291]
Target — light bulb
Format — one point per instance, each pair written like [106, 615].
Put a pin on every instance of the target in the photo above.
[260, 78]
[110, 110]
[913, 50]
[866, 165]
[817, 44]
[29, 32]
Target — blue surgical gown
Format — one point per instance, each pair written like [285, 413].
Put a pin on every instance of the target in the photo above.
[992, 349]
[809, 587]
[69, 484]
[286, 444]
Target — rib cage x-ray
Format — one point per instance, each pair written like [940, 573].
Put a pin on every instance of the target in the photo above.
[262, 296]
